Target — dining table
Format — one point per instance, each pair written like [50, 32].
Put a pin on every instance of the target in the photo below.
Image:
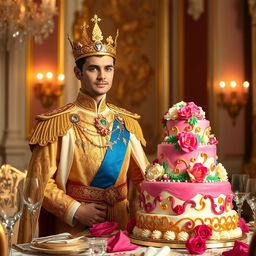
[26, 250]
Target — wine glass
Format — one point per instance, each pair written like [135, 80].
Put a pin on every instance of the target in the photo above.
[11, 201]
[251, 197]
[33, 195]
[97, 245]
[238, 183]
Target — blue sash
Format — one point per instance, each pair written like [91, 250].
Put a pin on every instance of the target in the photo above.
[113, 160]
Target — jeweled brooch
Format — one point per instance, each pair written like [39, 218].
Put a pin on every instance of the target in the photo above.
[102, 125]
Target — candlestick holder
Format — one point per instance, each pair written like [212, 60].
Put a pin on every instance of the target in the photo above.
[232, 99]
[48, 91]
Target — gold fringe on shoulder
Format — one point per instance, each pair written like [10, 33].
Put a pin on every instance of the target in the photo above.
[48, 131]
[133, 126]
[123, 111]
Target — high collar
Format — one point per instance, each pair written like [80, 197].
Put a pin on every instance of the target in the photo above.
[85, 101]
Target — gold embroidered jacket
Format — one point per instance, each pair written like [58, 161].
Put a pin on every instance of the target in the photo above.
[68, 148]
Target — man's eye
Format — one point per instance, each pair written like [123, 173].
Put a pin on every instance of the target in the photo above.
[109, 68]
[92, 69]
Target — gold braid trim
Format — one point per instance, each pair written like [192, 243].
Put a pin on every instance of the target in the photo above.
[133, 126]
[48, 130]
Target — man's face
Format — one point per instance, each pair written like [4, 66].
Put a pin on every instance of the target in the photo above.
[97, 76]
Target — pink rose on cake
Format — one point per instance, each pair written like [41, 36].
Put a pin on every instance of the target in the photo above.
[154, 172]
[204, 231]
[196, 245]
[242, 224]
[213, 140]
[187, 141]
[178, 209]
[189, 110]
[198, 172]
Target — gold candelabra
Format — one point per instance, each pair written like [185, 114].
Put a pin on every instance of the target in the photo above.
[47, 90]
[233, 98]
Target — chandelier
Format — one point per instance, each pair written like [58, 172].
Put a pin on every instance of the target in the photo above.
[20, 19]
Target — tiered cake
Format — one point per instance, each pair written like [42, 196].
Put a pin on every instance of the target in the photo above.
[186, 186]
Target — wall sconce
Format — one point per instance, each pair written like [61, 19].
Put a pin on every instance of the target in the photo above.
[46, 90]
[233, 98]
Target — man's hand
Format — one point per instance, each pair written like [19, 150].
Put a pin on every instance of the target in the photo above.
[92, 213]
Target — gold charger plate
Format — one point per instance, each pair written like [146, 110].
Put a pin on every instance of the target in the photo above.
[180, 245]
[58, 251]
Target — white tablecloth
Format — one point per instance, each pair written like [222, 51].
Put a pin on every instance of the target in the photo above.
[138, 252]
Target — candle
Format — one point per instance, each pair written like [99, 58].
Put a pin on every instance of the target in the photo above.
[49, 75]
[222, 86]
[246, 86]
[61, 77]
[233, 84]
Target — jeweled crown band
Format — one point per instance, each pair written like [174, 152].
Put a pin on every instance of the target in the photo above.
[87, 46]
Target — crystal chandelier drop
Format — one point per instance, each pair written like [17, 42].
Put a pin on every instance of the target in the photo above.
[20, 19]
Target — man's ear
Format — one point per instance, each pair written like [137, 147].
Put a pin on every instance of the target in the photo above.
[78, 73]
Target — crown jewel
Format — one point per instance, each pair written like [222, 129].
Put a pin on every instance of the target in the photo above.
[87, 46]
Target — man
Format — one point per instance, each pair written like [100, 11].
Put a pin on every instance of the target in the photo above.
[87, 151]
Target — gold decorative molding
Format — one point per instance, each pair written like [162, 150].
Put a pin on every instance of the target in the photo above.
[134, 69]
[195, 8]
[252, 10]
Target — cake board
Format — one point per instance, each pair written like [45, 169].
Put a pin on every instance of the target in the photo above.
[181, 245]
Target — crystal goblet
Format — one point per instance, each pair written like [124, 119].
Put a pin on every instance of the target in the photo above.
[238, 183]
[251, 197]
[33, 195]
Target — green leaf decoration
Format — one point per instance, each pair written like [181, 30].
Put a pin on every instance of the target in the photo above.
[214, 178]
[164, 125]
[200, 139]
[165, 166]
[181, 177]
[177, 147]
[192, 120]
[181, 105]
[172, 139]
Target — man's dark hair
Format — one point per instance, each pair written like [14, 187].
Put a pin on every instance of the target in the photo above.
[80, 62]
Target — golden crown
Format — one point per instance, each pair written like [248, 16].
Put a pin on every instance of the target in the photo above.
[93, 46]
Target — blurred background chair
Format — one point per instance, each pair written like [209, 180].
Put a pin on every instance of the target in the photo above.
[11, 199]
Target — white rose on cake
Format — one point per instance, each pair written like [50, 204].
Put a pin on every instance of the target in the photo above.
[154, 172]
[172, 113]
[220, 169]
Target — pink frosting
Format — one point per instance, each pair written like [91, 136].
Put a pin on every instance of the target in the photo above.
[167, 153]
[184, 126]
[185, 190]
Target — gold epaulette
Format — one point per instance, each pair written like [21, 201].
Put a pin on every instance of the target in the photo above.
[130, 121]
[52, 125]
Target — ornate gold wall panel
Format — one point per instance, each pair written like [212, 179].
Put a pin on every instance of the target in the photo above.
[139, 57]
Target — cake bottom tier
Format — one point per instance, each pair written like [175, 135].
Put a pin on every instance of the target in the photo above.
[180, 228]
[179, 245]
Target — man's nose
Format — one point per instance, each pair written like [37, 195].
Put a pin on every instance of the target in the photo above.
[102, 75]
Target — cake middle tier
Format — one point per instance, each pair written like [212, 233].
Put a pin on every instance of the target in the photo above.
[179, 161]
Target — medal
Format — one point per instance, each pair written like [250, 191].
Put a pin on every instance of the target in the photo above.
[102, 125]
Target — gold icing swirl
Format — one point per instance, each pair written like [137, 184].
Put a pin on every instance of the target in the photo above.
[182, 160]
[198, 129]
[204, 155]
[164, 206]
[193, 160]
[202, 204]
[189, 128]
[175, 129]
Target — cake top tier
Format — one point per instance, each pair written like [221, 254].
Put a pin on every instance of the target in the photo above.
[188, 151]
[184, 111]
